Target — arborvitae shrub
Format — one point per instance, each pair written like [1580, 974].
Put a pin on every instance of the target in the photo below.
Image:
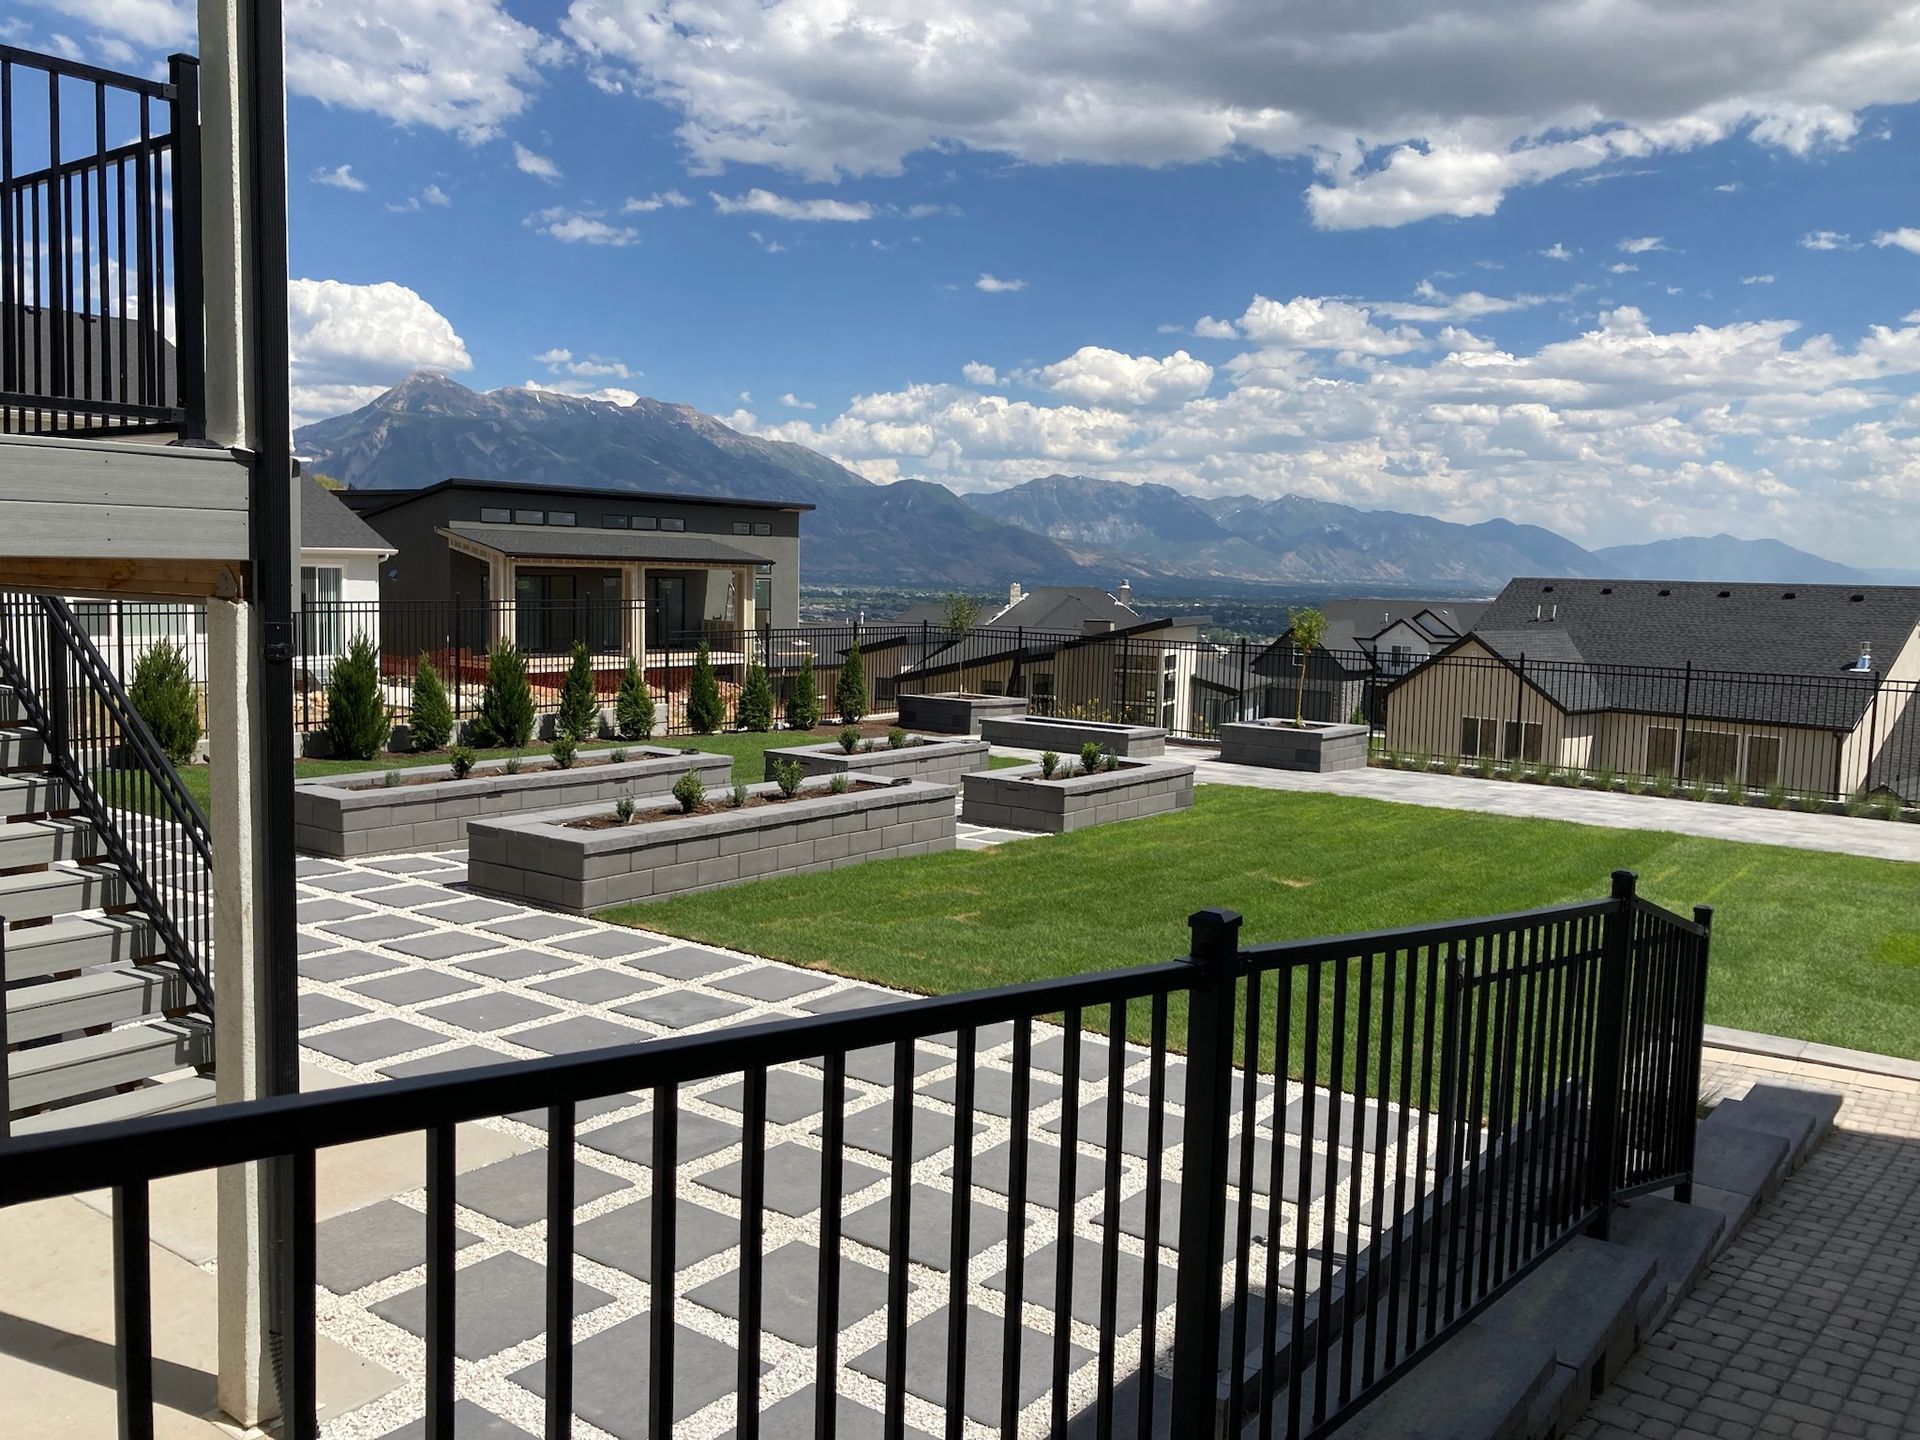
[357, 722]
[850, 694]
[430, 721]
[803, 700]
[506, 706]
[633, 706]
[579, 715]
[755, 711]
[163, 693]
[705, 712]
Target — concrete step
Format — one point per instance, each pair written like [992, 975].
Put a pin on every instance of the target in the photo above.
[80, 942]
[22, 750]
[1776, 1107]
[1678, 1238]
[1481, 1384]
[186, 1092]
[41, 842]
[80, 1068]
[32, 795]
[100, 997]
[64, 890]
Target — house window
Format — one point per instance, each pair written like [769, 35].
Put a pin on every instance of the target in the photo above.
[672, 524]
[886, 689]
[742, 527]
[320, 592]
[529, 517]
[993, 687]
[1763, 759]
[614, 522]
[494, 515]
[1040, 692]
[1525, 740]
[763, 596]
[645, 522]
[560, 517]
[1712, 755]
[762, 528]
[1663, 745]
[1478, 736]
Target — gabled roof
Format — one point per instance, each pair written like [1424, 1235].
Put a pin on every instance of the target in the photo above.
[326, 524]
[1062, 608]
[981, 646]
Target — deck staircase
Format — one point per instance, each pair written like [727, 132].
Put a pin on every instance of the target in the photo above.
[104, 892]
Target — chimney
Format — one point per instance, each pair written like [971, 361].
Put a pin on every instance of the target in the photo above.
[1013, 593]
[1125, 594]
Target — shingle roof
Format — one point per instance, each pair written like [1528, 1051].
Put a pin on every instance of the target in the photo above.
[1063, 608]
[326, 524]
[533, 542]
[1896, 766]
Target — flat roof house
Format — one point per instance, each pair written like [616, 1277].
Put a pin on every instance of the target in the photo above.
[1802, 686]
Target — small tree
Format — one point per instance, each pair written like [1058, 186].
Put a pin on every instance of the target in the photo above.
[430, 721]
[579, 715]
[803, 700]
[164, 695]
[506, 706]
[633, 706]
[705, 713]
[357, 722]
[1308, 628]
[755, 710]
[960, 613]
[850, 694]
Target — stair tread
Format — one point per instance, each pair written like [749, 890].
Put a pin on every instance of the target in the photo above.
[62, 874]
[82, 1049]
[69, 928]
[187, 1093]
[94, 983]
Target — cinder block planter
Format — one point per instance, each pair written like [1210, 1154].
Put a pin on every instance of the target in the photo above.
[1282, 745]
[1065, 737]
[540, 860]
[332, 817]
[938, 762]
[1018, 799]
[956, 712]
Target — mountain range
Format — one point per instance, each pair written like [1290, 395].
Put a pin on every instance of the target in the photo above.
[1055, 529]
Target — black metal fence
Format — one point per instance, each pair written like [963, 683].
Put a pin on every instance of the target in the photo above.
[101, 327]
[1497, 1086]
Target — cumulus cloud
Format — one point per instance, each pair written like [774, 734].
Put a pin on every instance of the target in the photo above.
[1405, 113]
[1117, 380]
[994, 285]
[1907, 237]
[664, 200]
[581, 227]
[1826, 240]
[794, 402]
[1641, 244]
[976, 373]
[350, 342]
[1557, 251]
[341, 177]
[541, 167]
[1622, 267]
[1756, 279]
[785, 207]
[1312, 323]
[1435, 304]
[1208, 328]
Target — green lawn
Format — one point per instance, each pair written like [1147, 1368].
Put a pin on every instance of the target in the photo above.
[1812, 945]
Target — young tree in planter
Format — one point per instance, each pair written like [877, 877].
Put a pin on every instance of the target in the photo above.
[803, 700]
[579, 714]
[506, 706]
[430, 721]
[705, 712]
[1308, 628]
[960, 613]
[357, 722]
[850, 694]
[633, 706]
[755, 710]
[163, 693]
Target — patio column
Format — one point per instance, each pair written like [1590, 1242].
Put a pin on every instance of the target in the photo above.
[744, 579]
[632, 640]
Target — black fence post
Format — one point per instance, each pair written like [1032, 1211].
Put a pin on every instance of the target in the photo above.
[1240, 707]
[1609, 1051]
[6, 1092]
[1687, 1101]
[1203, 1235]
[1686, 714]
[57, 718]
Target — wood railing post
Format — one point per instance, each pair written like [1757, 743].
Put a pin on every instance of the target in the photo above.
[1203, 1172]
[1609, 1047]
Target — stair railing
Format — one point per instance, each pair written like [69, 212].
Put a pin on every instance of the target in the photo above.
[116, 775]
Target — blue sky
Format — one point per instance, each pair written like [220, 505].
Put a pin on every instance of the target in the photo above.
[1623, 270]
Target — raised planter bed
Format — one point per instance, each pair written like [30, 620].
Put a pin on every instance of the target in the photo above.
[1018, 799]
[541, 860]
[335, 816]
[938, 762]
[1065, 737]
[956, 712]
[1282, 745]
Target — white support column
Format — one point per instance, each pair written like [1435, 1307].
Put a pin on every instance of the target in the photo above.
[747, 617]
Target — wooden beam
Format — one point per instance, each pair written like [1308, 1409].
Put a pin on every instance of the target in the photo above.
[87, 575]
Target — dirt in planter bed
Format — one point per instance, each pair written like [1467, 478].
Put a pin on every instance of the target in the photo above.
[538, 767]
[754, 802]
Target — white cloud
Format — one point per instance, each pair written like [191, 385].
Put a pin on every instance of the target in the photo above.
[1208, 328]
[1435, 304]
[784, 207]
[665, 199]
[341, 177]
[1311, 323]
[1405, 113]
[430, 195]
[1907, 237]
[1756, 279]
[434, 195]
[794, 402]
[1641, 244]
[1826, 240]
[994, 285]
[1730, 187]
[581, 227]
[766, 243]
[1557, 251]
[541, 167]
[1622, 267]
[350, 342]
[1110, 378]
[976, 373]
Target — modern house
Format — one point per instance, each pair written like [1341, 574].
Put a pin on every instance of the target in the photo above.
[1368, 642]
[1801, 686]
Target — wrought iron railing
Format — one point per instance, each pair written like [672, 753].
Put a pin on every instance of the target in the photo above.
[1496, 1086]
[115, 773]
[101, 328]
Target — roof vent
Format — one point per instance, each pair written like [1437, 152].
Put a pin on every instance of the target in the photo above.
[1665, 593]
[1548, 589]
[1855, 599]
[1865, 662]
[1556, 613]
[1723, 594]
[1791, 595]
[1536, 611]
[1606, 589]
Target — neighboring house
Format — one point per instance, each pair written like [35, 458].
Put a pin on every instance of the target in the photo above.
[1367, 642]
[1803, 686]
[1073, 650]
[546, 565]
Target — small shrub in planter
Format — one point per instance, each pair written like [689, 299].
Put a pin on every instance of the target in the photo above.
[1857, 804]
[690, 792]
[1697, 791]
[623, 809]
[1887, 804]
[705, 711]
[1483, 767]
[1603, 779]
[579, 715]
[1775, 797]
[633, 705]
[564, 750]
[896, 739]
[430, 719]
[1805, 801]
[755, 710]
[618, 755]
[506, 705]
[1111, 764]
[357, 723]
[850, 694]
[460, 760]
[1308, 630]
[163, 693]
[1662, 784]
[1090, 754]
[1450, 764]
[840, 784]
[739, 794]
[390, 779]
[1049, 762]
[849, 740]
[512, 767]
[787, 774]
[1734, 794]
[803, 698]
